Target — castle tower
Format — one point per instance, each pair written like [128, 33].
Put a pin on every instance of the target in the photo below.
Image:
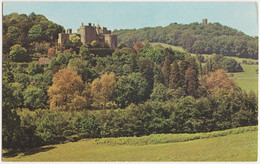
[69, 31]
[204, 21]
[63, 37]
[90, 33]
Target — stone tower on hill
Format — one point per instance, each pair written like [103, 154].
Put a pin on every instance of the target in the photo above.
[90, 33]
[204, 21]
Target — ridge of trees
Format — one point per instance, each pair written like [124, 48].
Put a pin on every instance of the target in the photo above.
[196, 38]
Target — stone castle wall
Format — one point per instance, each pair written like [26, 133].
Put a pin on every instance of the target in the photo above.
[90, 33]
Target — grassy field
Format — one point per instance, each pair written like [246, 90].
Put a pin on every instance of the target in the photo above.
[247, 80]
[233, 147]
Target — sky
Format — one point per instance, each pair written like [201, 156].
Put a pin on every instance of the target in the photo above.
[242, 16]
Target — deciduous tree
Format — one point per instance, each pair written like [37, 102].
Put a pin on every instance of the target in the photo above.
[67, 85]
[102, 89]
[217, 81]
[19, 54]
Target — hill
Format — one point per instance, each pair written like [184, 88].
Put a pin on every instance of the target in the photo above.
[196, 38]
[233, 147]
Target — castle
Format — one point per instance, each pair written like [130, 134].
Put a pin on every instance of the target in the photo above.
[90, 33]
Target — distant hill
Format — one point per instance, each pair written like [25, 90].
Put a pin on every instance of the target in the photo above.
[196, 38]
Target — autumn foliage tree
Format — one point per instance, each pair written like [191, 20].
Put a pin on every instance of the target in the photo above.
[66, 91]
[138, 46]
[102, 88]
[217, 81]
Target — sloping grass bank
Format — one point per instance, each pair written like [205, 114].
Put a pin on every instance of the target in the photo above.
[171, 138]
[233, 147]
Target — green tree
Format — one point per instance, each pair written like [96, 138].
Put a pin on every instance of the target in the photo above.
[17, 90]
[85, 54]
[159, 93]
[192, 82]
[166, 70]
[175, 76]
[35, 68]
[146, 67]
[231, 65]
[19, 54]
[34, 98]
[36, 33]
[13, 32]
[11, 131]
[130, 89]
[182, 119]
[96, 44]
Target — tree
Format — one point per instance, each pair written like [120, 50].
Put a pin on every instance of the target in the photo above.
[166, 70]
[96, 44]
[67, 86]
[11, 131]
[34, 68]
[130, 89]
[231, 65]
[102, 89]
[146, 67]
[13, 32]
[53, 30]
[183, 116]
[217, 81]
[36, 33]
[84, 52]
[19, 54]
[76, 43]
[32, 16]
[51, 52]
[159, 93]
[175, 77]
[17, 90]
[138, 46]
[34, 98]
[192, 82]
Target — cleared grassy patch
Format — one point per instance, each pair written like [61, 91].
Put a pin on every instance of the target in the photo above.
[170, 138]
[233, 147]
[247, 80]
[178, 48]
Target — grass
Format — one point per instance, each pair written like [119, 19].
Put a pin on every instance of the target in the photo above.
[178, 48]
[233, 147]
[247, 80]
[170, 138]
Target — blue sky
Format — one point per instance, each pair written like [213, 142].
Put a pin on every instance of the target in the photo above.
[129, 15]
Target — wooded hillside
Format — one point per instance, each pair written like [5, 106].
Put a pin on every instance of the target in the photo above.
[196, 38]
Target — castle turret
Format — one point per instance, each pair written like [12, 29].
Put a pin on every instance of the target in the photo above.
[69, 31]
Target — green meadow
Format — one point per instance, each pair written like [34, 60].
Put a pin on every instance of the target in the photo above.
[231, 147]
[247, 80]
